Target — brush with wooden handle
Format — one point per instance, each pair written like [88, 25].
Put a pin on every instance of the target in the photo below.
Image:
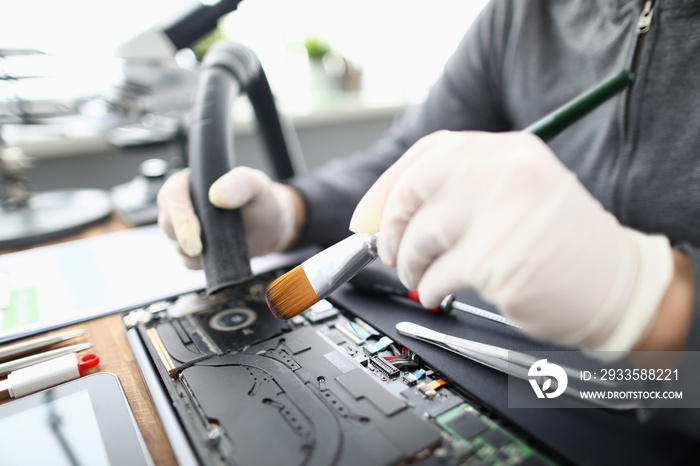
[317, 277]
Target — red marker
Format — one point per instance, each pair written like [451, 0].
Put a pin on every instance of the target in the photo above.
[47, 374]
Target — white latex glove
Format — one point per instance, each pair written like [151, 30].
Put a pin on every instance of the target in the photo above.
[500, 214]
[266, 208]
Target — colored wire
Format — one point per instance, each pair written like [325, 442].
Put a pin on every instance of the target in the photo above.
[411, 355]
[399, 361]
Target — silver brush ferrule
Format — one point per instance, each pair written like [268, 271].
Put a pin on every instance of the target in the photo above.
[332, 267]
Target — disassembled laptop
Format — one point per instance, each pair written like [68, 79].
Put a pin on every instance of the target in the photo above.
[323, 388]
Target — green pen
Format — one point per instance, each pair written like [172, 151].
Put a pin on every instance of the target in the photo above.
[554, 123]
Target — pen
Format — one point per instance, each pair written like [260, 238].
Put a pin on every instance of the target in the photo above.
[38, 343]
[46, 374]
[13, 365]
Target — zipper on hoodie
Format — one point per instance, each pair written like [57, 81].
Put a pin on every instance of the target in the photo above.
[643, 26]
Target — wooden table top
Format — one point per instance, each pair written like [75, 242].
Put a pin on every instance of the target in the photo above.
[116, 356]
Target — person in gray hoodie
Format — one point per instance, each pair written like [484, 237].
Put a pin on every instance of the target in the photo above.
[590, 241]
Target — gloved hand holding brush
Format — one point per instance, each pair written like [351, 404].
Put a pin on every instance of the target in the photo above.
[499, 213]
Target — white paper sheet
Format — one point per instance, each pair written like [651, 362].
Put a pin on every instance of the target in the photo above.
[57, 285]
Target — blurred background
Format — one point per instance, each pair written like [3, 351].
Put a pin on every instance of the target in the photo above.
[92, 96]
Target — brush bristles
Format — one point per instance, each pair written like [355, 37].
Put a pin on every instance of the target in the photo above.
[291, 294]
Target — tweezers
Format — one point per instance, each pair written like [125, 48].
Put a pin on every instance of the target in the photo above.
[509, 362]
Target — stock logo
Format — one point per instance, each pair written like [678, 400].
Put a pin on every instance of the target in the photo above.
[546, 372]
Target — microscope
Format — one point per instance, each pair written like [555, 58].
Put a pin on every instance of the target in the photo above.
[148, 106]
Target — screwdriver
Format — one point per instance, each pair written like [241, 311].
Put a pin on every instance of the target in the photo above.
[450, 302]
[380, 281]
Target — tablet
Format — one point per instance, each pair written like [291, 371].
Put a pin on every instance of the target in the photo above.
[85, 421]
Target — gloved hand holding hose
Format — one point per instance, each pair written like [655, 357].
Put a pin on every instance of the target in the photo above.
[270, 211]
[500, 214]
